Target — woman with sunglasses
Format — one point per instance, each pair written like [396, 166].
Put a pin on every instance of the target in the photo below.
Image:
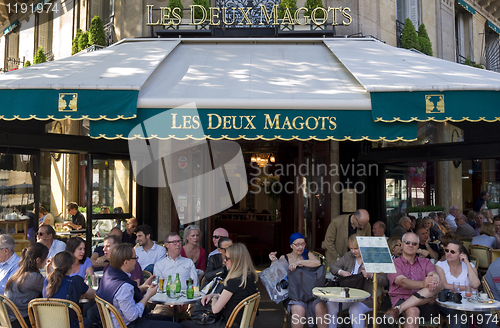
[301, 257]
[350, 264]
[27, 282]
[456, 269]
[60, 284]
[82, 265]
[395, 246]
[241, 282]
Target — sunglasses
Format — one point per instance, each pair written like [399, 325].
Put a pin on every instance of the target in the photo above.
[299, 244]
[227, 258]
[216, 237]
[134, 258]
[414, 243]
[40, 233]
[174, 242]
[399, 245]
[450, 251]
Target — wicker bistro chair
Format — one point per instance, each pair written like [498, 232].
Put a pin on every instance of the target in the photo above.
[6, 304]
[250, 306]
[487, 289]
[483, 253]
[105, 311]
[53, 313]
[467, 242]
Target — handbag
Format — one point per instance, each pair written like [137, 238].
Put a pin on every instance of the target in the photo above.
[215, 286]
[272, 278]
[352, 281]
[203, 315]
[302, 280]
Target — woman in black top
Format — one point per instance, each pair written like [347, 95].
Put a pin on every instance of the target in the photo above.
[241, 282]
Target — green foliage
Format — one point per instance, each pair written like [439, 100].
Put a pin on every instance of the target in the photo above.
[96, 32]
[311, 5]
[40, 56]
[492, 206]
[177, 4]
[27, 63]
[469, 62]
[286, 4]
[83, 41]
[198, 14]
[424, 41]
[427, 208]
[74, 45]
[409, 38]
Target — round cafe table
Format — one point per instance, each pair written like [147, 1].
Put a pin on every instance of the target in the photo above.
[469, 307]
[180, 299]
[332, 294]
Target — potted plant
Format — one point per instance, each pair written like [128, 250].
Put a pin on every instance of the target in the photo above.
[272, 189]
[424, 210]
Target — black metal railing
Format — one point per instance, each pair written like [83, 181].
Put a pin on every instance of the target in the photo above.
[399, 32]
[49, 55]
[109, 30]
[461, 59]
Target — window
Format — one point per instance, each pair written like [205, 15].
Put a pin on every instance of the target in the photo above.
[44, 30]
[408, 9]
[463, 31]
[492, 50]
[102, 8]
[12, 50]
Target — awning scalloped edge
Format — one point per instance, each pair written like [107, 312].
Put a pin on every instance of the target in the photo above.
[433, 119]
[67, 117]
[259, 137]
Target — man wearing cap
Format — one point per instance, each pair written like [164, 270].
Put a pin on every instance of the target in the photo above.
[219, 232]
[339, 231]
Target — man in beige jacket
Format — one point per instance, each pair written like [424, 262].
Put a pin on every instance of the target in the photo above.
[337, 234]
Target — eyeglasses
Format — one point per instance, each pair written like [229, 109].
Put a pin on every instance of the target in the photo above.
[399, 245]
[40, 233]
[299, 244]
[134, 258]
[224, 249]
[414, 243]
[174, 242]
[227, 258]
[450, 251]
[216, 237]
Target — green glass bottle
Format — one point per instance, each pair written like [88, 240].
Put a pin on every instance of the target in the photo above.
[190, 290]
[89, 281]
[177, 283]
[168, 285]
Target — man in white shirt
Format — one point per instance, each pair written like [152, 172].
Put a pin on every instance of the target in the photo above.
[175, 263]
[450, 219]
[45, 235]
[148, 251]
[378, 229]
[8, 260]
[219, 232]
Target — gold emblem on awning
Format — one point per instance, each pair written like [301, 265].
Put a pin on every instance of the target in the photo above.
[64, 99]
[434, 104]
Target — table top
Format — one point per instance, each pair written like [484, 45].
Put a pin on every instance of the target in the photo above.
[163, 298]
[71, 232]
[470, 306]
[333, 294]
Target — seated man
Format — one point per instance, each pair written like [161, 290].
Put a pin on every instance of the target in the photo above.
[492, 277]
[46, 235]
[8, 259]
[148, 251]
[117, 288]
[413, 286]
[219, 232]
[98, 258]
[215, 266]
[426, 249]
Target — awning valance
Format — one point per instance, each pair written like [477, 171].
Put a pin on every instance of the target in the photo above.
[494, 27]
[467, 7]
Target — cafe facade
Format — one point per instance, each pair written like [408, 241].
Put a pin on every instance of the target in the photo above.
[343, 123]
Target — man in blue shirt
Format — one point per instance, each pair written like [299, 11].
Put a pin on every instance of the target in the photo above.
[9, 261]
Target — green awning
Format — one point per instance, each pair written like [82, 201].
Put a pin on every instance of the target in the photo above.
[260, 124]
[494, 27]
[467, 6]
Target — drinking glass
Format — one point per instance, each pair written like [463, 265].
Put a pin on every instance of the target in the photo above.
[161, 281]
[468, 292]
[456, 287]
[474, 293]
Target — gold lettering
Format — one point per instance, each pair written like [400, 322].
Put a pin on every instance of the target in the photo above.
[234, 122]
[333, 123]
[196, 122]
[210, 121]
[249, 120]
[274, 15]
[187, 122]
[193, 8]
[150, 16]
[334, 18]
[214, 13]
[245, 17]
[307, 122]
[323, 118]
[227, 122]
[174, 117]
[306, 18]
[301, 124]
[287, 123]
[346, 15]
[224, 16]
[271, 124]
[176, 12]
[165, 16]
[313, 15]
[287, 16]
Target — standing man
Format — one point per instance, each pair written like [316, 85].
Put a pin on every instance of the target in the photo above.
[450, 219]
[481, 202]
[218, 233]
[77, 218]
[45, 235]
[413, 287]
[464, 229]
[8, 260]
[148, 251]
[215, 265]
[403, 227]
[379, 229]
[339, 231]
[129, 233]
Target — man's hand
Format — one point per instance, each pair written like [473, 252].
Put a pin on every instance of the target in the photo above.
[151, 291]
[424, 253]
[101, 260]
[431, 281]
[344, 273]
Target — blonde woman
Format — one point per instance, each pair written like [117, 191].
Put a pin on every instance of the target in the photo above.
[241, 282]
[192, 250]
[487, 236]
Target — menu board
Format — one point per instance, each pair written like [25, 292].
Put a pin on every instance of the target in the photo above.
[376, 255]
